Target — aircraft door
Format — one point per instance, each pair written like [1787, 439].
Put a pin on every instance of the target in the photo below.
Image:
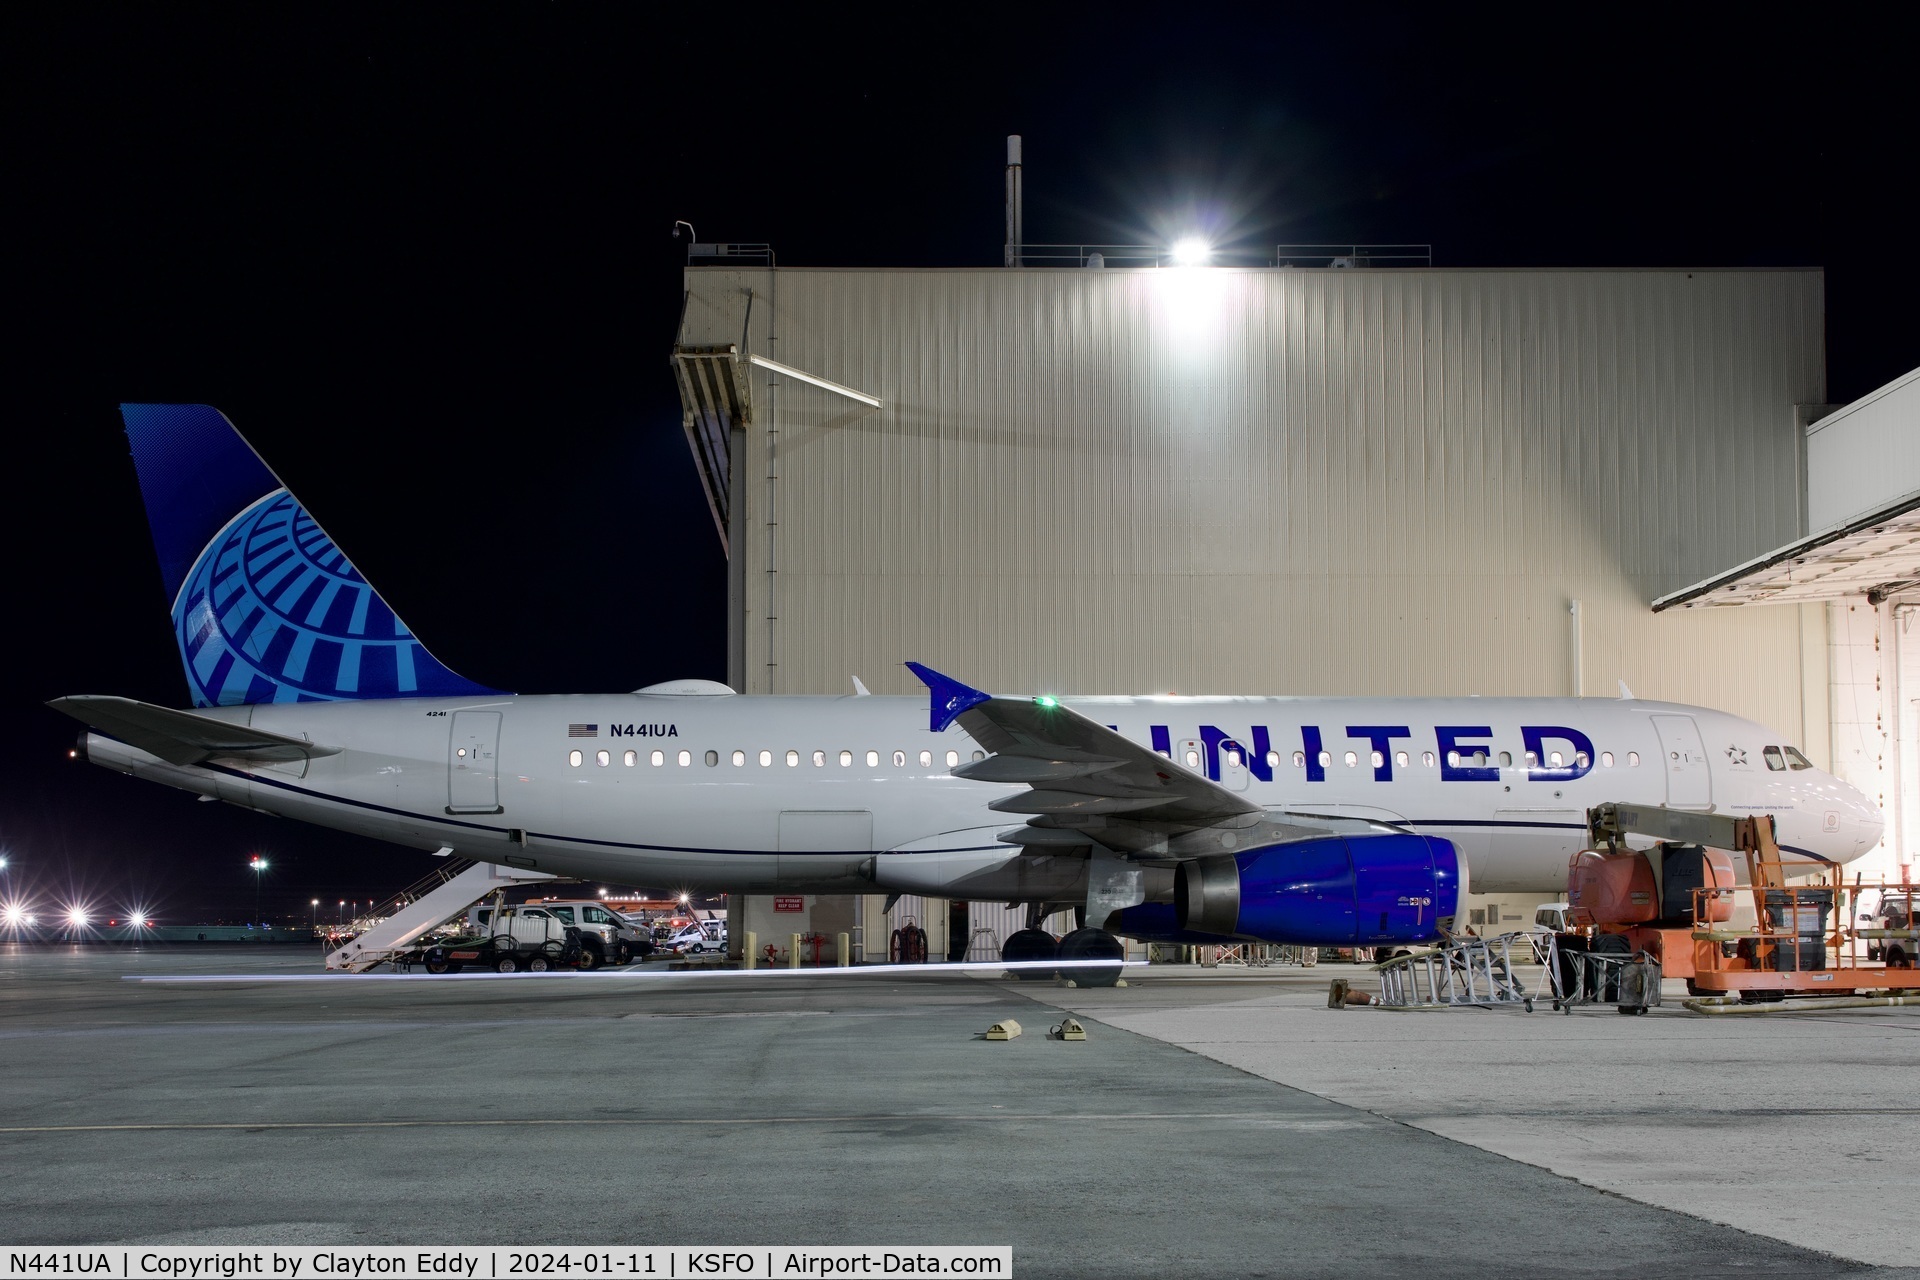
[473, 777]
[1684, 756]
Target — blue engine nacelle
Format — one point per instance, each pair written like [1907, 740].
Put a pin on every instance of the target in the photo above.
[1341, 891]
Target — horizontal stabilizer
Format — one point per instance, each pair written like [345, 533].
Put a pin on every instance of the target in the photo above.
[181, 737]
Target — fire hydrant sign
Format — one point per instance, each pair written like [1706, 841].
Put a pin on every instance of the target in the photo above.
[789, 904]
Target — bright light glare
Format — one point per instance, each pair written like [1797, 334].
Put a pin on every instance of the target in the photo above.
[1192, 252]
[1046, 701]
[77, 915]
[13, 913]
[138, 919]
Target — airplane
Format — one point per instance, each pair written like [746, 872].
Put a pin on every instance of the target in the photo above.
[1316, 820]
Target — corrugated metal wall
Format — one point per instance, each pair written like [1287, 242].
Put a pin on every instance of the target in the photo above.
[1273, 481]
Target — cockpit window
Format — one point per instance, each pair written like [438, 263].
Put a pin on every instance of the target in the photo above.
[1795, 760]
[1775, 761]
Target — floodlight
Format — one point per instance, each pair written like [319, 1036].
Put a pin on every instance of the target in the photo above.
[1192, 251]
[77, 915]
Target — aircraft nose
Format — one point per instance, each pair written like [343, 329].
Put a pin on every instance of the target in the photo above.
[1859, 814]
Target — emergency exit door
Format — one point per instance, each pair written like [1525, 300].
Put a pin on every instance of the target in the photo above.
[473, 777]
[1684, 756]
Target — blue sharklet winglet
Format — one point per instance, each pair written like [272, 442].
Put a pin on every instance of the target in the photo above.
[950, 697]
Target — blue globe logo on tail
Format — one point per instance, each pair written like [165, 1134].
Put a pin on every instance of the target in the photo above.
[265, 607]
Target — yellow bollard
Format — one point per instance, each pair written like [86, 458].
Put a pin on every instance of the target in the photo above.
[844, 956]
[752, 951]
[793, 953]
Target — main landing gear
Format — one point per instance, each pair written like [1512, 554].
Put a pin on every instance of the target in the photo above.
[1079, 946]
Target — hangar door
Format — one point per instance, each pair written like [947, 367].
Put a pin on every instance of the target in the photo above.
[473, 780]
[1689, 784]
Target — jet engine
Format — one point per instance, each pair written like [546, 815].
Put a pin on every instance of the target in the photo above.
[1346, 891]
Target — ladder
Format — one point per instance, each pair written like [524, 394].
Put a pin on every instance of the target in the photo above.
[1461, 973]
[378, 942]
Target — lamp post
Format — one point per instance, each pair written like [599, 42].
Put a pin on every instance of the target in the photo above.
[259, 865]
[313, 919]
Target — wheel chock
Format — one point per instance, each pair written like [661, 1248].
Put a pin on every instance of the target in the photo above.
[1068, 1030]
[1337, 994]
[1005, 1029]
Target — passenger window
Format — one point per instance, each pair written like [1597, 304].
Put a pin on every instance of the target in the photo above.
[1506, 759]
[1606, 759]
[1193, 759]
[953, 758]
[1352, 759]
[979, 755]
[1233, 758]
[1480, 757]
[1378, 759]
[462, 753]
[1426, 758]
[596, 915]
[685, 758]
[926, 759]
[1795, 760]
[630, 759]
[1400, 758]
[602, 759]
[1557, 760]
[846, 759]
[766, 758]
[1299, 759]
[573, 758]
[1453, 759]
[899, 759]
[873, 759]
[565, 914]
[819, 759]
[1273, 759]
[793, 759]
[1633, 759]
[1775, 761]
[657, 759]
[713, 759]
[1326, 758]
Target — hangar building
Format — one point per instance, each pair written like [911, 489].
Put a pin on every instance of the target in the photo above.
[1371, 480]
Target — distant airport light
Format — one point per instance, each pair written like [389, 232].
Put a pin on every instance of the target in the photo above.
[77, 915]
[257, 862]
[138, 920]
[1192, 252]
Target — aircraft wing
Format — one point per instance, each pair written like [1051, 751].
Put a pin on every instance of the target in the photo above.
[181, 737]
[1084, 780]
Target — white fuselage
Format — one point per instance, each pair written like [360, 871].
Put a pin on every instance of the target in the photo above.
[757, 793]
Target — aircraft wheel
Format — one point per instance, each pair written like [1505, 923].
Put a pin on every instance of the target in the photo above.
[1030, 944]
[1091, 944]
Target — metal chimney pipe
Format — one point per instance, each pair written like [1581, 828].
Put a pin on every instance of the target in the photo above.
[1016, 233]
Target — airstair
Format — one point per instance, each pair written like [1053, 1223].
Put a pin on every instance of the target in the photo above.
[430, 903]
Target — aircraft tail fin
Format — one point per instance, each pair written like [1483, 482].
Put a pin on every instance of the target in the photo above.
[265, 607]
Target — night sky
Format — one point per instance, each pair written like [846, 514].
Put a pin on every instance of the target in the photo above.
[421, 257]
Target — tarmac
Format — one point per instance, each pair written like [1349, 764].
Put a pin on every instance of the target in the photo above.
[1214, 1123]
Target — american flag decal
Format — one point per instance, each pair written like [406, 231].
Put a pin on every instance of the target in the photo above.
[583, 731]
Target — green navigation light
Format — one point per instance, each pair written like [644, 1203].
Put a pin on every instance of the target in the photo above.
[1045, 701]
